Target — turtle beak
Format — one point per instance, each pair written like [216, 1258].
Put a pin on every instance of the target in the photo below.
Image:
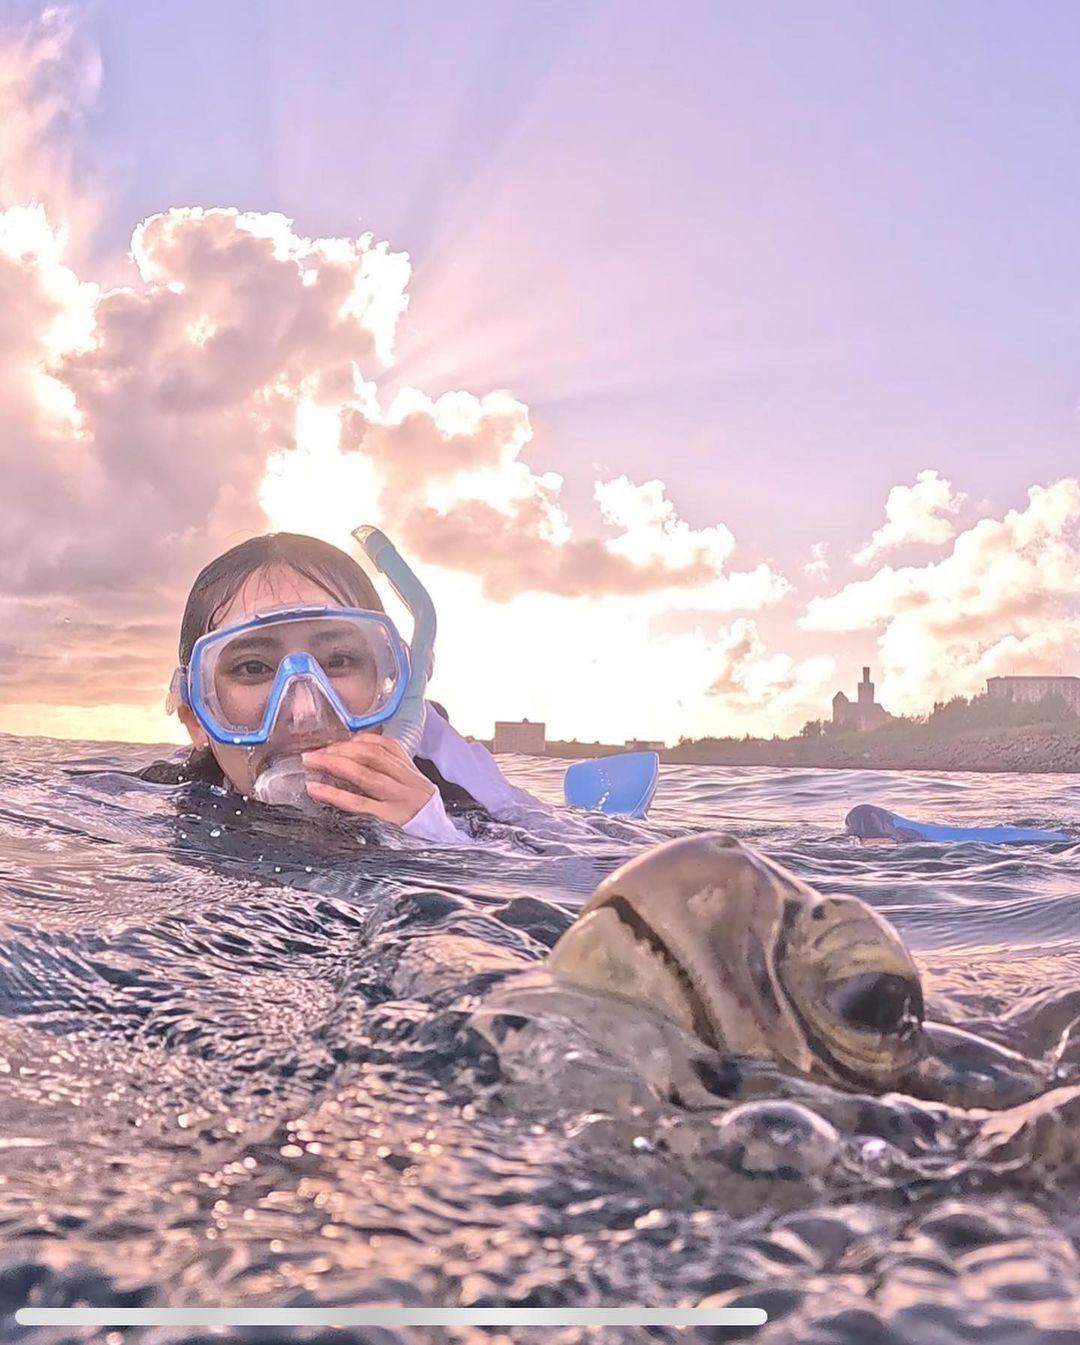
[964, 1070]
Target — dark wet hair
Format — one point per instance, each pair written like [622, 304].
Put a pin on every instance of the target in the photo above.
[218, 583]
[335, 572]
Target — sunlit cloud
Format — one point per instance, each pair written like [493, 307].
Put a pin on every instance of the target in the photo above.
[749, 677]
[49, 79]
[924, 513]
[1003, 601]
[818, 567]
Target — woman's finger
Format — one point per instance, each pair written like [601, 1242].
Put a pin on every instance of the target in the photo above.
[374, 783]
[376, 753]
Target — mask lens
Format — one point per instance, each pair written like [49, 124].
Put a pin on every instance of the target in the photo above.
[351, 656]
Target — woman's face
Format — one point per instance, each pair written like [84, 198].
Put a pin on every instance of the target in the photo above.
[243, 683]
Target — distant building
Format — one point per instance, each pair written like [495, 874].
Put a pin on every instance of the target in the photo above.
[644, 745]
[864, 714]
[520, 736]
[1034, 689]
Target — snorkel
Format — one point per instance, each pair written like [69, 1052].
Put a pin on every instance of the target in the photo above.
[407, 725]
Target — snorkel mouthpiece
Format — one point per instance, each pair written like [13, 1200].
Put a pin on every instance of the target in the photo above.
[407, 725]
[304, 721]
[284, 782]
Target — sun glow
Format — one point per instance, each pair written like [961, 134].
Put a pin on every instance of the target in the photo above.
[314, 488]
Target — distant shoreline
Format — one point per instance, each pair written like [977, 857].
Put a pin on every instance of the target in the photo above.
[1031, 750]
[1037, 749]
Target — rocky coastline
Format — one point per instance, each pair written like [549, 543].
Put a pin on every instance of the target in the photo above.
[1032, 749]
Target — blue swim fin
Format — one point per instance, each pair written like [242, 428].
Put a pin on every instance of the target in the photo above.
[622, 785]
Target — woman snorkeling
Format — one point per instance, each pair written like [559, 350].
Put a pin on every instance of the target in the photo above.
[296, 688]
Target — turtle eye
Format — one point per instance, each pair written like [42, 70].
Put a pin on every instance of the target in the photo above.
[877, 1002]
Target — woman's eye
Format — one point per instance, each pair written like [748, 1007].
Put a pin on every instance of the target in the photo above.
[345, 662]
[250, 668]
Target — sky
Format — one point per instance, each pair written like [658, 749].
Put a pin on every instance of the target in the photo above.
[694, 357]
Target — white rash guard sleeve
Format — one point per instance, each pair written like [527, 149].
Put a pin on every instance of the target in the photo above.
[472, 766]
[432, 824]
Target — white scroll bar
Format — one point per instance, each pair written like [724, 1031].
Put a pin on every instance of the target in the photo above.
[391, 1316]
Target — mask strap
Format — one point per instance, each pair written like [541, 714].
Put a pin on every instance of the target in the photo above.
[177, 695]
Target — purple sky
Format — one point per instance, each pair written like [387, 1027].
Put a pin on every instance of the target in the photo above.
[782, 257]
[841, 240]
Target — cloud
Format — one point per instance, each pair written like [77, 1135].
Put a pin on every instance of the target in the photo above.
[453, 483]
[817, 567]
[741, 591]
[922, 513]
[1003, 601]
[517, 556]
[177, 391]
[774, 687]
[150, 426]
[595, 670]
[525, 545]
[49, 78]
[866, 604]
[182, 391]
[738, 652]
[126, 661]
[136, 424]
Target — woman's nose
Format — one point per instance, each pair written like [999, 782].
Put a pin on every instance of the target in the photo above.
[302, 705]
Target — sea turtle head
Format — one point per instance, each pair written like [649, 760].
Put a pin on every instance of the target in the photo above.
[751, 960]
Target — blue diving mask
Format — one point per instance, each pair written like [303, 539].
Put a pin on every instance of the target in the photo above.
[282, 673]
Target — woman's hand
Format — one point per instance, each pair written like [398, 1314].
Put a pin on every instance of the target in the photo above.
[377, 778]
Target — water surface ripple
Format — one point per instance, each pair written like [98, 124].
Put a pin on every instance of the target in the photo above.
[215, 1092]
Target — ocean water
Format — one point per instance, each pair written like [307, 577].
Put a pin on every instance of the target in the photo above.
[226, 1081]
